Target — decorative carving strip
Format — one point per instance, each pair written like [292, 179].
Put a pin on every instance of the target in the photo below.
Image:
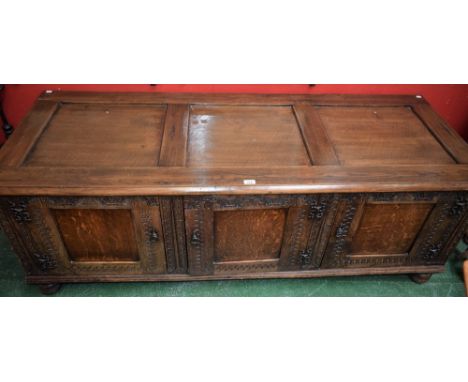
[321, 234]
[298, 232]
[179, 222]
[89, 201]
[342, 233]
[317, 210]
[431, 248]
[147, 223]
[376, 260]
[41, 255]
[15, 242]
[166, 217]
[399, 196]
[105, 267]
[19, 210]
[246, 267]
[197, 243]
[45, 262]
[151, 201]
[458, 206]
[306, 257]
[223, 202]
[452, 211]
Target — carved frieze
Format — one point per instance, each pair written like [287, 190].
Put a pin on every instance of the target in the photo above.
[234, 201]
[306, 257]
[89, 201]
[19, 210]
[169, 246]
[46, 262]
[247, 268]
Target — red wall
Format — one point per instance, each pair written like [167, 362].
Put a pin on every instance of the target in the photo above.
[450, 101]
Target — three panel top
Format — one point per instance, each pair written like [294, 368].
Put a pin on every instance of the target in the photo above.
[140, 143]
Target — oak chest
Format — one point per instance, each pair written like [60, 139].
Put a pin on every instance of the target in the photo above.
[155, 187]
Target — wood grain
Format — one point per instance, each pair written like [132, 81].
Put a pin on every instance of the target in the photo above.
[387, 135]
[316, 139]
[224, 98]
[97, 235]
[195, 181]
[174, 144]
[100, 136]
[38, 279]
[154, 187]
[16, 149]
[389, 228]
[244, 136]
[248, 234]
[447, 137]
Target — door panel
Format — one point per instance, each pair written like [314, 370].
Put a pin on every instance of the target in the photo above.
[392, 229]
[97, 234]
[248, 234]
[109, 235]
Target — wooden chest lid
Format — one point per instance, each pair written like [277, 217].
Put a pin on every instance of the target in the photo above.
[162, 144]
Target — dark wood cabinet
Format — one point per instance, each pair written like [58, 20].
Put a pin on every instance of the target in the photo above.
[149, 187]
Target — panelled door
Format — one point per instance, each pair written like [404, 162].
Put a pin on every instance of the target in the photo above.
[393, 229]
[88, 235]
[256, 234]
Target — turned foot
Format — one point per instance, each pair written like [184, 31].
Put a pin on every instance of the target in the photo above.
[420, 278]
[49, 288]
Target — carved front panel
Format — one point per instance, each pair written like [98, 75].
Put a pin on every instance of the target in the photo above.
[393, 229]
[259, 233]
[88, 235]
[435, 241]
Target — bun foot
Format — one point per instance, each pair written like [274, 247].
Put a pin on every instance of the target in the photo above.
[49, 289]
[420, 278]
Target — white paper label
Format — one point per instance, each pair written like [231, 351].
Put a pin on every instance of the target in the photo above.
[249, 182]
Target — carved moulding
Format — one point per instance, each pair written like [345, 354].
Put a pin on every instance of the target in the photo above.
[453, 207]
[235, 201]
[39, 252]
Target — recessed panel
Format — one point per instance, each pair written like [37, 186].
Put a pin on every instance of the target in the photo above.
[380, 135]
[248, 234]
[389, 228]
[239, 136]
[100, 136]
[97, 235]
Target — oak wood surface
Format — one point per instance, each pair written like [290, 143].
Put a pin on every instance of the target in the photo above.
[244, 136]
[40, 279]
[277, 180]
[15, 150]
[454, 144]
[226, 98]
[97, 235]
[316, 138]
[384, 135]
[175, 139]
[100, 136]
[248, 234]
[113, 143]
[389, 228]
[148, 187]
